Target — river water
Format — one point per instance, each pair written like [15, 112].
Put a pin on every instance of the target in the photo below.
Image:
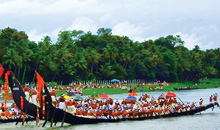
[207, 120]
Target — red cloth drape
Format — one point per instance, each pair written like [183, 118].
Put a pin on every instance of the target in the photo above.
[6, 87]
[1, 71]
[40, 85]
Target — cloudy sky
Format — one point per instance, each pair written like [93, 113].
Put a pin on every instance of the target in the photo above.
[197, 21]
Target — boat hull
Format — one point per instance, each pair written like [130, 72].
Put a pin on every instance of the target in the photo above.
[58, 115]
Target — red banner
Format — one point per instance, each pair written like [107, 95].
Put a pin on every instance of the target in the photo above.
[40, 85]
[6, 87]
[1, 71]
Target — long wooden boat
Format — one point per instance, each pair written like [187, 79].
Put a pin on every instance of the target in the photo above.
[186, 88]
[58, 115]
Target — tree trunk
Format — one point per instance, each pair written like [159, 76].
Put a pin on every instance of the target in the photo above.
[34, 77]
[96, 70]
[24, 73]
[92, 69]
[19, 70]
[15, 71]
[54, 76]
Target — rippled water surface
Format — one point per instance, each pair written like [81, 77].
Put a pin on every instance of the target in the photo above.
[207, 120]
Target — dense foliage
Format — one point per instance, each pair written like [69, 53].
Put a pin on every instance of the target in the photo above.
[84, 56]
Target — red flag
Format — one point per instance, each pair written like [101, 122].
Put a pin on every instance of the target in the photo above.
[40, 85]
[1, 71]
[6, 86]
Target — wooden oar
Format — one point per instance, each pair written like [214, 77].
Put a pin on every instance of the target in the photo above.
[197, 107]
[52, 119]
[18, 119]
[64, 117]
[47, 115]
[24, 117]
[180, 100]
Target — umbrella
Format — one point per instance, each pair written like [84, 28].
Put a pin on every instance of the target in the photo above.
[115, 80]
[67, 97]
[104, 96]
[132, 94]
[170, 94]
[94, 95]
[78, 98]
[10, 96]
[131, 98]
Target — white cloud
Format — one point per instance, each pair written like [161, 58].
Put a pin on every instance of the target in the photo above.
[54, 34]
[34, 36]
[139, 20]
[83, 23]
[192, 39]
[214, 28]
[53, 7]
[133, 32]
[80, 23]
[21, 7]
[209, 28]
[107, 17]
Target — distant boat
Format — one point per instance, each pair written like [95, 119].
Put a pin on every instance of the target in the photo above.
[73, 93]
[186, 88]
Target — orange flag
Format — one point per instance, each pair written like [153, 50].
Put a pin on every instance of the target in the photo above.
[40, 85]
[1, 71]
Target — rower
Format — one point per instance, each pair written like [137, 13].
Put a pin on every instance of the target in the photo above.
[215, 99]
[70, 106]
[186, 107]
[99, 113]
[2, 107]
[200, 102]
[27, 92]
[166, 110]
[3, 115]
[210, 98]
[90, 113]
[192, 106]
[34, 96]
[13, 106]
[53, 96]
[114, 114]
[84, 111]
[62, 101]
[93, 104]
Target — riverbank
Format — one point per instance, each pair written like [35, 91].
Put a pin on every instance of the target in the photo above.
[202, 84]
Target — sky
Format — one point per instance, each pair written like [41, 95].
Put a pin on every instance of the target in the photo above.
[196, 21]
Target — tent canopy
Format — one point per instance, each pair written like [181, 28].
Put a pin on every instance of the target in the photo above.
[115, 80]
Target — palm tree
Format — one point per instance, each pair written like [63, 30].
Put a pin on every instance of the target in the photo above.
[110, 51]
[106, 71]
[92, 57]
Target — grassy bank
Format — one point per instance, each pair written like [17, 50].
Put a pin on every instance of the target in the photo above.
[202, 84]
